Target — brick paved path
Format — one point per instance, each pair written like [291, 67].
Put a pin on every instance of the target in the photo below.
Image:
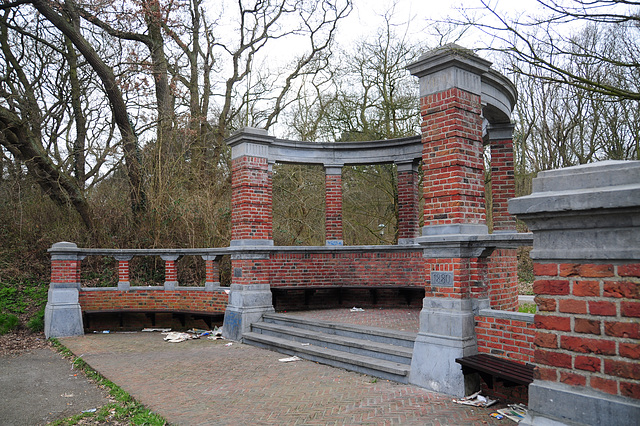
[407, 319]
[203, 382]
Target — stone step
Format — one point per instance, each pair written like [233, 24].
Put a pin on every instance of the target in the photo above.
[359, 363]
[384, 351]
[374, 334]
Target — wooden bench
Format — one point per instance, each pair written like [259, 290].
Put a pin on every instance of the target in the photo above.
[493, 368]
[207, 317]
[408, 292]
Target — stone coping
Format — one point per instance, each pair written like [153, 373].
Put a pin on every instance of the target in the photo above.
[157, 288]
[508, 315]
[70, 251]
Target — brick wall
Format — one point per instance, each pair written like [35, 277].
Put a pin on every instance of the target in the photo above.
[589, 325]
[502, 184]
[187, 300]
[505, 338]
[370, 268]
[502, 279]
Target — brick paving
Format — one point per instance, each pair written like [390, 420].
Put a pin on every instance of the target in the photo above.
[407, 319]
[204, 382]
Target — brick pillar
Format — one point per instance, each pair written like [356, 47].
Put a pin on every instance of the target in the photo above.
[123, 271]
[212, 271]
[251, 226]
[503, 187]
[63, 315]
[450, 89]
[586, 252]
[503, 266]
[170, 271]
[408, 199]
[333, 205]
[251, 190]
[454, 216]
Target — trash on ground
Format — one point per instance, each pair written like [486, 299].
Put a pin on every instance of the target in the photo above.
[476, 400]
[290, 359]
[515, 412]
[229, 344]
[497, 416]
[305, 344]
[161, 330]
[177, 337]
[102, 332]
[354, 309]
[92, 410]
[67, 395]
[216, 334]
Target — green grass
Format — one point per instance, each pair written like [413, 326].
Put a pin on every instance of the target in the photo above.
[528, 308]
[125, 410]
[8, 322]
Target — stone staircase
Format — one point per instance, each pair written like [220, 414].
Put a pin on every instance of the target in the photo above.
[374, 351]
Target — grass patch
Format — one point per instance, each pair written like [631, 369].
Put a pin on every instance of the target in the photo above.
[126, 409]
[528, 308]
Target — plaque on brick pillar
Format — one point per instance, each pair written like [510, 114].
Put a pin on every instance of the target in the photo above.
[250, 294]
[454, 100]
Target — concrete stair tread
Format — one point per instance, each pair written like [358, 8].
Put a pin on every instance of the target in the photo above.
[360, 329]
[336, 339]
[296, 348]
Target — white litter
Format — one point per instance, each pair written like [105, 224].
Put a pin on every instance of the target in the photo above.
[161, 330]
[177, 337]
[476, 400]
[305, 344]
[229, 344]
[354, 309]
[290, 359]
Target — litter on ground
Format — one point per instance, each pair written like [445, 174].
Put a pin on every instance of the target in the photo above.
[515, 412]
[290, 359]
[354, 309]
[177, 337]
[476, 400]
[161, 330]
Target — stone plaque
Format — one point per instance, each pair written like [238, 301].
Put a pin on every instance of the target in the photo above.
[442, 278]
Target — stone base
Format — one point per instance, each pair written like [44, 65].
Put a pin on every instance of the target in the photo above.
[247, 304]
[554, 404]
[63, 315]
[447, 332]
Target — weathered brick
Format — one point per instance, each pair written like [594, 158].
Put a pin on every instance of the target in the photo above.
[554, 359]
[583, 325]
[554, 287]
[602, 308]
[626, 369]
[630, 309]
[629, 350]
[545, 269]
[603, 384]
[546, 340]
[588, 363]
[621, 289]
[549, 322]
[587, 345]
[627, 330]
[572, 306]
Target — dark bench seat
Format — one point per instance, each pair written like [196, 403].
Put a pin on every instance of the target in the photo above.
[408, 292]
[493, 368]
[207, 317]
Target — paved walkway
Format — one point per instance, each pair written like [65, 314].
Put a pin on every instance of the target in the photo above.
[39, 386]
[204, 382]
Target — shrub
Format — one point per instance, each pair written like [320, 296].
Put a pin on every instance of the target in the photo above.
[8, 322]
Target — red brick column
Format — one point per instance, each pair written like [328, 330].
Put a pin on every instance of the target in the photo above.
[123, 271]
[170, 271]
[212, 271]
[333, 205]
[65, 271]
[502, 177]
[408, 197]
[251, 188]
[452, 162]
